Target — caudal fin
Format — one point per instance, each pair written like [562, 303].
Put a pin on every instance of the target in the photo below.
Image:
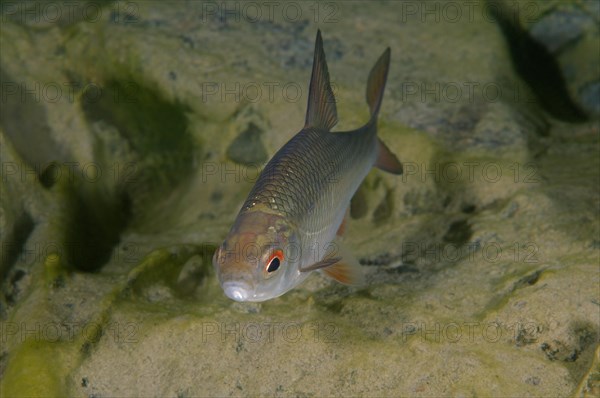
[321, 112]
[376, 83]
[386, 160]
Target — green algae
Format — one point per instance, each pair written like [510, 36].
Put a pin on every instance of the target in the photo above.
[42, 359]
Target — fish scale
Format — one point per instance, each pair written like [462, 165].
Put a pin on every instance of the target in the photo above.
[311, 166]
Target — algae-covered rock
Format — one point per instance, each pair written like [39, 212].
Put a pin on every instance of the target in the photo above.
[130, 134]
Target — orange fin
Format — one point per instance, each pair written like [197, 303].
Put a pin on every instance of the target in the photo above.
[344, 273]
[342, 228]
[321, 112]
[346, 270]
[386, 160]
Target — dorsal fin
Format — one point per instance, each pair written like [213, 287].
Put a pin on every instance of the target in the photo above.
[321, 112]
[376, 82]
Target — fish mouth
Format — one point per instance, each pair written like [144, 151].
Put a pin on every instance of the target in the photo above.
[238, 291]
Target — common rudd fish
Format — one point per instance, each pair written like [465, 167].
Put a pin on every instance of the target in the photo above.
[286, 228]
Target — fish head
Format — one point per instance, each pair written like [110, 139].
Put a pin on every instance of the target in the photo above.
[259, 259]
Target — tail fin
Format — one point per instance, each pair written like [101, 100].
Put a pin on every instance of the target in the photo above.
[386, 160]
[376, 83]
[321, 112]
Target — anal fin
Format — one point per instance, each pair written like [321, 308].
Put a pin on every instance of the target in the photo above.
[386, 160]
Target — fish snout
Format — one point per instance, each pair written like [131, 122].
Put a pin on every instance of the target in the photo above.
[237, 290]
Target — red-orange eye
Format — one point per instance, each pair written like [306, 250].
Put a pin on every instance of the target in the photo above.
[274, 261]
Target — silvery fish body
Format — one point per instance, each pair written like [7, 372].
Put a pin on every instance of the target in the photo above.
[288, 223]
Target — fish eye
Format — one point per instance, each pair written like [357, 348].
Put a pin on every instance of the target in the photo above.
[274, 261]
[274, 265]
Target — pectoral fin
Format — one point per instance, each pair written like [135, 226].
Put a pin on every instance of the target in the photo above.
[326, 262]
[345, 272]
[343, 268]
[342, 228]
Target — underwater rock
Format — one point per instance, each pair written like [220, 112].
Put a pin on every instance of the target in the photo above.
[570, 32]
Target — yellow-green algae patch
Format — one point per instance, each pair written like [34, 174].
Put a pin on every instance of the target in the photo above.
[37, 369]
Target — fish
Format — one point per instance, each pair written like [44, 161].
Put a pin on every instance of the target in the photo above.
[287, 226]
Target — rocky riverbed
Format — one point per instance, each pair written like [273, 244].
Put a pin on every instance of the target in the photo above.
[131, 133]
